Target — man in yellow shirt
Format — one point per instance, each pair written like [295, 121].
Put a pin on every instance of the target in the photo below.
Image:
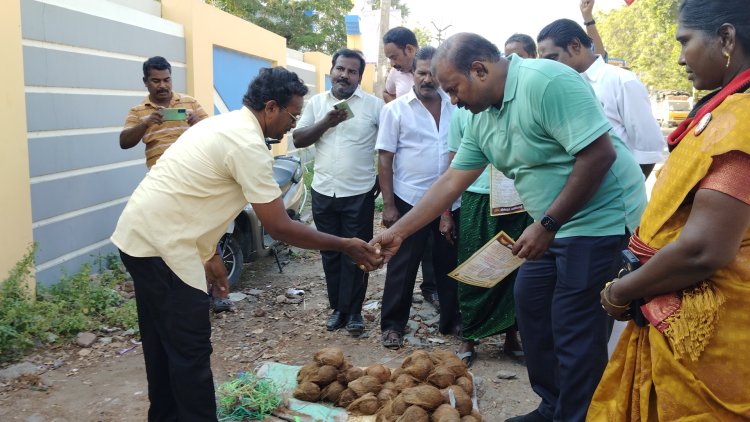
[146, 122]
[174, 219]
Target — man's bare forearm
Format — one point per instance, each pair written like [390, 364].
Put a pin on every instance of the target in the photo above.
[131, 136]
[438, 198]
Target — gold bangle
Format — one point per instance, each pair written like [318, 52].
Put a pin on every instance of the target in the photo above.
[606, 298]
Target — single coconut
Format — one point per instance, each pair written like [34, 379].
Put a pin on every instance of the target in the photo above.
[365, 384]
[405, 381]
[332, 392]
[307, 370]
[424, 396]
[325, 375]
[399, 405]
[466, 384]
[420, 368]
[380, 372]
[307, 391]
[441, 377]
[418, 354]
[414, 414]
[365, 405]
[385, 413]
[353, 373]
[445, 413]
[330, 356]
[396, 373]
[463, 401]
[387, 394]
[346, 397]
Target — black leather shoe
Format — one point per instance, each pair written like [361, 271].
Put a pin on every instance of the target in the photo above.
[355, 325]
[336, 321]
[534, 416]
[433, 299]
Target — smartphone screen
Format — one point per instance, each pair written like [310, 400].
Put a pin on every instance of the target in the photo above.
[174, 114]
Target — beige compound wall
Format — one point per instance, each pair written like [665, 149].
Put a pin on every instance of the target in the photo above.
[15, 217]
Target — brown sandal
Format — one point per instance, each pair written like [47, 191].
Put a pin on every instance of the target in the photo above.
[392, 339]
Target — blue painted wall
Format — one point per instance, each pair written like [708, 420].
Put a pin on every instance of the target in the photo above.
[233, 72]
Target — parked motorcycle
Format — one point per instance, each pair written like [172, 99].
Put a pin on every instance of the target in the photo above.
[246, 239]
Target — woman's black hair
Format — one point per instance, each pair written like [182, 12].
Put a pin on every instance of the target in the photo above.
[274, 83]
[709, 15]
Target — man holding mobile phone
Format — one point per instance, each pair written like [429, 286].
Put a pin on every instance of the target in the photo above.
[343, 124]
[147, 121]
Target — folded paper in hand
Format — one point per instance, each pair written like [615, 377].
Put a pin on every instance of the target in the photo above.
[491, 264]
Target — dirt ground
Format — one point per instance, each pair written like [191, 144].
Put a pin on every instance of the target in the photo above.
[104, 384]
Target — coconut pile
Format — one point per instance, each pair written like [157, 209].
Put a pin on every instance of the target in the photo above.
[427, 387]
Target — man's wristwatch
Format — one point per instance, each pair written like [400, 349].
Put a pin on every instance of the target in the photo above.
[589, 23]
[550, 223]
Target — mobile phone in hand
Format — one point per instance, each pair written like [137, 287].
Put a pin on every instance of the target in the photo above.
[343, 105]
[174, 114]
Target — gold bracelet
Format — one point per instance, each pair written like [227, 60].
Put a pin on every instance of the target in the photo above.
[606, 298]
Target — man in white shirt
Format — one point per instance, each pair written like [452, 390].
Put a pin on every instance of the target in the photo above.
[343, 187]
[412, 154]
[624, 98]
[174, 219]
[400, 46]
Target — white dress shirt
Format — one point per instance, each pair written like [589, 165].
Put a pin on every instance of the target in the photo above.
[344, 154]
[628, 108]
[398, 82]
[420, 148]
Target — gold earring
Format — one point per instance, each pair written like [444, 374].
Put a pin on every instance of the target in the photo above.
[729, 58]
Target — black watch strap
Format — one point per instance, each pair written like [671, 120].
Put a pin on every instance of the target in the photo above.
[589, 23]
[549, 223]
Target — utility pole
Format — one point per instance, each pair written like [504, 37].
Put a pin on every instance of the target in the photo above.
[439, 32]
[380, 72]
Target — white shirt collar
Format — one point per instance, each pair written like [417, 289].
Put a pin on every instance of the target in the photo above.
[357, 92]
[594, 72]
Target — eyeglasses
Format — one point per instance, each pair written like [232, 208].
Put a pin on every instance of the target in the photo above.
[294, 118]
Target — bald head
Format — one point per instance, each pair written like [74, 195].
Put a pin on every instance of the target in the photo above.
[464, 48]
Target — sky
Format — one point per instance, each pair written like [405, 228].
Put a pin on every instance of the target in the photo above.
[495, 20]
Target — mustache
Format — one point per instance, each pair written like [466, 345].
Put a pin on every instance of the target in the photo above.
[428, 86]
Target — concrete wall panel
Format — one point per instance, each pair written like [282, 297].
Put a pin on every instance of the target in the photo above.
[73, 193]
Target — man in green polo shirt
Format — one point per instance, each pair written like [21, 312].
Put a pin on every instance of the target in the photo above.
[540, 124]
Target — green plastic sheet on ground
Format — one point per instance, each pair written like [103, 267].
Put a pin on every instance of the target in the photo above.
[285, 377]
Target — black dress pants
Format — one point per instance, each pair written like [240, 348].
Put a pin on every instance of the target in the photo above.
[176, 340]
[351, 216]
[402, 272]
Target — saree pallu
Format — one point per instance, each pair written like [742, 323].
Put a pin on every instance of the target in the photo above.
[655, 376]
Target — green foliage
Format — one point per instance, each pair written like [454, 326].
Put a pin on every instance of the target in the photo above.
[644, 36]
[79, 302]
[307, 25]
[424, 36]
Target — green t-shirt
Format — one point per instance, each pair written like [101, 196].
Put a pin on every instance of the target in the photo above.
[459, 121]
[549, 114]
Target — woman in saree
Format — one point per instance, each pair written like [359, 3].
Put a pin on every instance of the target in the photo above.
[691, 359]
